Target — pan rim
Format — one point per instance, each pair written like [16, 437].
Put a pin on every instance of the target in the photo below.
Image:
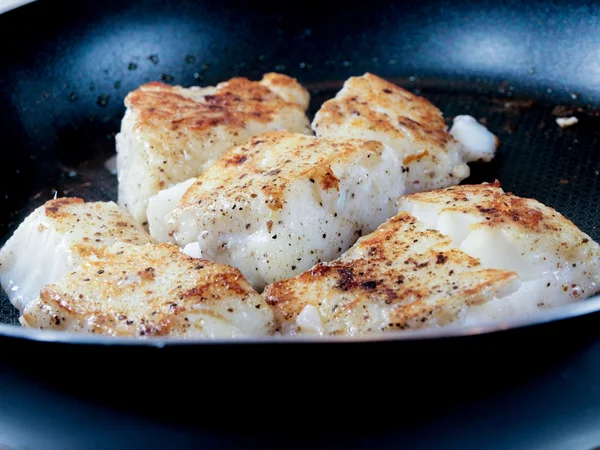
[9, 5]
[555, 314]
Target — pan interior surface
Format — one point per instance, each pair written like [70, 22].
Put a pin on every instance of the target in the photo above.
[59, 123]
[536, 159]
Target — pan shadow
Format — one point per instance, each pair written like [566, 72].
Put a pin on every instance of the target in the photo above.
[267, 392]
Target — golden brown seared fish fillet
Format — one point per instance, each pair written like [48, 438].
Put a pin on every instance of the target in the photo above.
[282, 202]
[55, 237]
[369, 107]
[556, 262]
[151, 290]
[402, 276]
[171, 133]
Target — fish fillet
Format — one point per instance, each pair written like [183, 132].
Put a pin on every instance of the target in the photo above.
[171, 133]
[151, 290]
[556, 262]
[281, 203]
[55, 237]
[369, 107]
[402, 276]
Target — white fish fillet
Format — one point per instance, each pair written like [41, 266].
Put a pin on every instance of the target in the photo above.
[282, 202]
[479, 143]
[54, 238]
[171, 133]
[151, 290]
[402, 276]
[556, 262]
[369, 107]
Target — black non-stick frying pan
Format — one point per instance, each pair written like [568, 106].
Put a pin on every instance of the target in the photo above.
[65, 68]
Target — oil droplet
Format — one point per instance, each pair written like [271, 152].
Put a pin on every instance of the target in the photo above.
[73, 96]
[198, 76]
[111, 164]
[103, 100]
[132, 66]
[153, 58]
[189, 59]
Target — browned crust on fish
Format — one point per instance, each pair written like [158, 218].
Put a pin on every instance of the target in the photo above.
[416, 287]
[234, 103]
[56, 209]
[362, 108]
[496, 207]
[298, 157]
[168, 286]
[109, 222]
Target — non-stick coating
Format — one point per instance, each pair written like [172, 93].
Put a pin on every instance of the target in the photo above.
[537, 159]
[62, 82]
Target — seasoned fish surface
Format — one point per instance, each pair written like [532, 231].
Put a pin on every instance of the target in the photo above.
[402, 276]
[283, 202]
[151, 290]
[556, 262]
[171, 133]
[369, 107]
[54, 238]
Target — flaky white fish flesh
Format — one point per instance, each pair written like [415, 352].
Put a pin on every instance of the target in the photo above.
[55, 237]
[172, 133]
[369, 107]
[556, 262]
[402, 276]
[151, 290]
[281, 203]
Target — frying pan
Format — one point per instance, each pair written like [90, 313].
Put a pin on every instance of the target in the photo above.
[64, 71]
